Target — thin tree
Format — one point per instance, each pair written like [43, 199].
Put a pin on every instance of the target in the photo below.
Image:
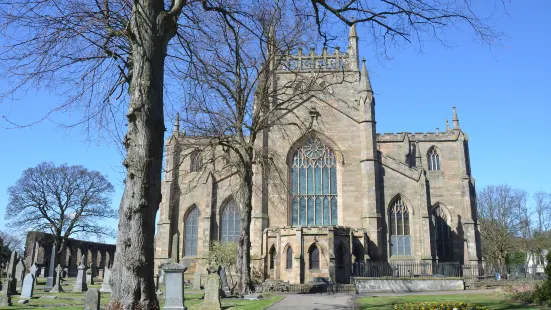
[65, 201]
[107, 57]
[501, 214]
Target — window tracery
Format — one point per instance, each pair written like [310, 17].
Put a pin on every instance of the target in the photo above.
[192, 229]
[433, 160]
[400, 238]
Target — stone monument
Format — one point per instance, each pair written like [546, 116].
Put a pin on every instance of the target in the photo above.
[92, 300]
[225, 287]
[89, 276]
[11, 282]
[20, 273]
[28, 286]
[50, 282]
[197, 280]
[105, 285]
[57, 286]
[174, 286]
[80, 284]
[5, 296]
[175, 255]
[33, 270]
[213, 286]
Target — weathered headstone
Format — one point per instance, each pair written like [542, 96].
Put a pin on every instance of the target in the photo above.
[12, 281]
[89, 276]
[28, 286]
[50, 282]
[42, 272]
[33, 270]
[5, 296]
[197, 280]
[20, 273]
[57, 286]
[80, 284]
[92, 300]
[213, 286]
[161, 275]
[225, 287]
[174, 282]
[255, 296]
[106, 286]
[176, 248]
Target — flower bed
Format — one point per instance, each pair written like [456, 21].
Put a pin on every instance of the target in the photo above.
[438, 306]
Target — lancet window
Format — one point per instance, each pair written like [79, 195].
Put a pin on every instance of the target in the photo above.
[314, 257]
[195, 161]
[314, 184]
[192, 229]
[231, 222]
[400, 238]
[289, 258]
[434, 160]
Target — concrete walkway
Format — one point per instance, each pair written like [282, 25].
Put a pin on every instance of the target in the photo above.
[315, 302]
[346, 301]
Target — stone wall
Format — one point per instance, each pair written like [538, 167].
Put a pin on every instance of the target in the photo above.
[369, 285]
[38, 249]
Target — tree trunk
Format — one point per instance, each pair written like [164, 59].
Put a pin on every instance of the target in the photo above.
[244, 285]
[132, 279]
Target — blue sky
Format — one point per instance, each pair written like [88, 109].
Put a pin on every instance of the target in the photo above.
[501, 94]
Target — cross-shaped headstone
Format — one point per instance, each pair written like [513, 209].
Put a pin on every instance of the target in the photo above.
[57, 287]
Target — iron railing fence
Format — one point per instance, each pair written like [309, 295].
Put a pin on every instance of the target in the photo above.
[476, 271]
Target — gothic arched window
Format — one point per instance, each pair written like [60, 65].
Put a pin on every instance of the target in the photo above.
[400, 238]
[231, 222]
[192, 229]
[314, 257]
[314, 184]
[289, 258]
[195, 161]
[442, 234]
[433, 159]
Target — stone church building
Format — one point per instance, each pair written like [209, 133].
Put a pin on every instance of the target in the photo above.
[338, 193]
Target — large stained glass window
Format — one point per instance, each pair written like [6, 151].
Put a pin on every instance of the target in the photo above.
[314, 184]
[192, 228]
[231, 222]
[400, 237]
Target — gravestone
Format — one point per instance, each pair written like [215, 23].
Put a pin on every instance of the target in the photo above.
[28, 286]
[175, 255]
[255, 296]
[5, 296]
[65, 273]
[89, 276]
[12, 281]
[33, 270]
[174, 283]
[106, 286]
[161, 275]
[57, 287]
[50, 282]
[42, 272]
[225, 287]
[92, 300]
[80, 284]
[20, 273]
[197, 280]
[213, 286]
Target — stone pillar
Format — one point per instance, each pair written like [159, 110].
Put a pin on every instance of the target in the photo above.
[298, 264]
[50, 282]
[174, 279]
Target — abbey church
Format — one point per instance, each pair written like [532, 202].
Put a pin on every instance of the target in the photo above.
[338, 194]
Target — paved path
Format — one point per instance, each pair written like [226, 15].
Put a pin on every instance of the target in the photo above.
[346, 301]
[314, 302]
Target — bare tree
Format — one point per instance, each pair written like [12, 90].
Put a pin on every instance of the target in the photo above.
[65, 201]
[501, 213]
[542, 210]
[108, 58]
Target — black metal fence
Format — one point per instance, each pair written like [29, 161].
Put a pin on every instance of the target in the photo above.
[472, 272]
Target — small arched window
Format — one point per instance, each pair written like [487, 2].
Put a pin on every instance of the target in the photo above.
[433, 159]
[231, 222]
[196, 161]
[272, 258]
[314, 257]
[192, 229]
[442, 234]
[400, 238]
[289, 258]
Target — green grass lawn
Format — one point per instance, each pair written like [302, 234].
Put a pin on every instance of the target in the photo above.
[491, 301]
[75, 301]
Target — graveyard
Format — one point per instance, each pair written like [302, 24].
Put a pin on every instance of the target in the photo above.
[69, 300]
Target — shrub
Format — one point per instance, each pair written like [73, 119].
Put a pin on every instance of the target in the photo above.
[438, 306]
[542, 295]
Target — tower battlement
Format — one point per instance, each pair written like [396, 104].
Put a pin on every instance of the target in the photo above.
[337, 61]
